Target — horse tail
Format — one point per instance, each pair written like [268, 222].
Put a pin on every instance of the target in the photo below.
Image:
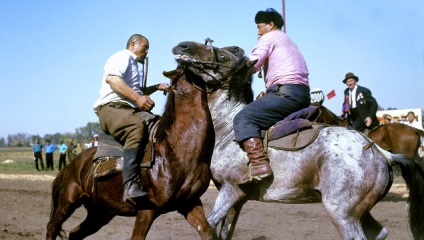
[414, 178]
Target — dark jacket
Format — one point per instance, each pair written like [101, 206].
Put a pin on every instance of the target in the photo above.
[366, 106]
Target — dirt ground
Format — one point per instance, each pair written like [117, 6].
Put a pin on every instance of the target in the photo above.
[25, 207]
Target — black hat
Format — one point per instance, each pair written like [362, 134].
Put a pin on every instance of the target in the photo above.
[269, 15]
[350, 75]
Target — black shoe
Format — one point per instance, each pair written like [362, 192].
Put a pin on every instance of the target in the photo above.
[133, 190]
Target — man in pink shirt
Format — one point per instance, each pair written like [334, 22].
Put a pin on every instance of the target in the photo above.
[287, 91]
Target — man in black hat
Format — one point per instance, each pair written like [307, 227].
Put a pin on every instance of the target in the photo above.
[287, 91]
[363, 106]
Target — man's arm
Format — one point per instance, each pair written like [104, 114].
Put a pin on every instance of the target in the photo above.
[118, 84]
[150, 90]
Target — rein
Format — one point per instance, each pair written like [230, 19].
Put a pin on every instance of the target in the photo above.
[191, 82]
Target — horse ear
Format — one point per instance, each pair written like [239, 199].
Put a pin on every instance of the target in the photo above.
[237, 51]
[172, 74]
[251, 63]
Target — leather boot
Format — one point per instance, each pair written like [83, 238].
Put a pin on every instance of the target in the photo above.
[132, 185]
[259, 167]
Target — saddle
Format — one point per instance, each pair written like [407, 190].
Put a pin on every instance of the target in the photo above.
[109, 158]
[294, 132]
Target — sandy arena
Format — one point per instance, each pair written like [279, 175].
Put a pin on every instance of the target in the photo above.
[25, 209]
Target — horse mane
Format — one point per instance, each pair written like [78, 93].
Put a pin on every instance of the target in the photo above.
[169, 113]
[168, 116]
[240, 84]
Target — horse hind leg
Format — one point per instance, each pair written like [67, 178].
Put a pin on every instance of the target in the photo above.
[372, 228]
[352, 218]
[96, 219]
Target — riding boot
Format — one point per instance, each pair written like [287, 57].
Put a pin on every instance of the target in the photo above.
[132, 185]
[259, 167]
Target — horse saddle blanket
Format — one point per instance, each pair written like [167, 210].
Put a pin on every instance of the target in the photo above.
[296, 121]
[109, 158]
[297, 140]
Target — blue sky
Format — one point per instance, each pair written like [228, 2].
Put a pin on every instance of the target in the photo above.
[52, 52]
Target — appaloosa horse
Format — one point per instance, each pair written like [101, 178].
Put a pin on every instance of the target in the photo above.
[177, 179]
[340, 168]
[393, 137]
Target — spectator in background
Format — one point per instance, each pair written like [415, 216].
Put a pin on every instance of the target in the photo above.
[91, 143]
[62, 159]
[412, 121]
[363, 106]
[403, 118]
[37, 148]
[71, 147]
[49, 150]
[387, 118]
[78, 149]
[396, 119]
[96, 140]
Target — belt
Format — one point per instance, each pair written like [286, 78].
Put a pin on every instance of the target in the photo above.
[114, 105]
[118, 105]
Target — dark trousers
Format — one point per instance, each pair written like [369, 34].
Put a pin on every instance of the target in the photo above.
[62, 160]
[49, 161]
[38, 156]
[278, 102]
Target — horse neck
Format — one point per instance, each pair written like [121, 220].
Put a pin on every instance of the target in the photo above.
[223, 112]
[190, 122]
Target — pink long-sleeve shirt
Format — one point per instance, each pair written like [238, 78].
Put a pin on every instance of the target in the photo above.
[283, 63]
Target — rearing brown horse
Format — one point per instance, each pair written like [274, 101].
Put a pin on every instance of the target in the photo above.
[176, 181]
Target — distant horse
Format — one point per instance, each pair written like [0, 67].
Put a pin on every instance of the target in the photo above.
[176, 180]
[393, 137]
[398, 138]
[340, 168]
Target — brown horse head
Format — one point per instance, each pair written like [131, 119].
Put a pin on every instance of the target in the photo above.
[328, 117]
[218, 67]
[211, 63]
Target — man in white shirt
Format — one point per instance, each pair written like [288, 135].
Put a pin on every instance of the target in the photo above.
[124, 108]
[412, 122]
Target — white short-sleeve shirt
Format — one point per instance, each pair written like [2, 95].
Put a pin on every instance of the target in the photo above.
[121, 64]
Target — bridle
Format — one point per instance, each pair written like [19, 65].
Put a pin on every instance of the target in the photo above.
[213, 65]
[191, 82]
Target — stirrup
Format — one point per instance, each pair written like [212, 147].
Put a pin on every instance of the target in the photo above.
[256, 179]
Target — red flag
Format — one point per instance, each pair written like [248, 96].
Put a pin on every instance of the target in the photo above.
[331, 94]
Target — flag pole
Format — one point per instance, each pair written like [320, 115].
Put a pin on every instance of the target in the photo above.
[284, 15]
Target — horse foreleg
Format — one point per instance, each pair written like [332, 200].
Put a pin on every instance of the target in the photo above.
[142, 224]
[96, 219]
[196, 217]
[230, 221]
